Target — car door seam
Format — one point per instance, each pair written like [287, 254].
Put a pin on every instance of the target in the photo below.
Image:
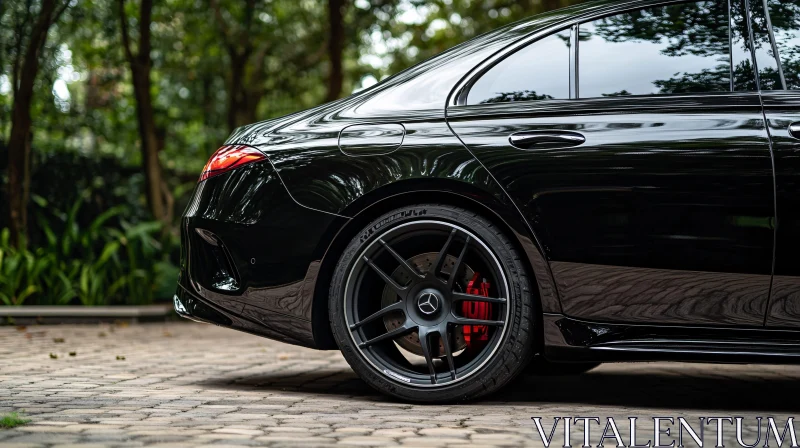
[749, 24]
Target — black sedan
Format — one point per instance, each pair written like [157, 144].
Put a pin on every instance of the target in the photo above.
[615, 181]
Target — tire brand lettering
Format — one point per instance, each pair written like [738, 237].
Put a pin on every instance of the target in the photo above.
[403, 214]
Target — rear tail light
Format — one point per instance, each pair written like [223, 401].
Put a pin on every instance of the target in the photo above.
[230, 157]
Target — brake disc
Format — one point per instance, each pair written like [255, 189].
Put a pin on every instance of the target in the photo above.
[410, 342]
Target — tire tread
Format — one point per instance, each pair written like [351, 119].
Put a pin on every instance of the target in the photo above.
[510, 360]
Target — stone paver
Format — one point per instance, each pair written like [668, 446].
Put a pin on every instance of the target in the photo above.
[185, 384]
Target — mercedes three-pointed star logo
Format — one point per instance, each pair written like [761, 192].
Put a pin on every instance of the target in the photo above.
[428, 303]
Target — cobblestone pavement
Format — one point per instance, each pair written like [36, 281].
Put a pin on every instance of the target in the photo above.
[187, 384]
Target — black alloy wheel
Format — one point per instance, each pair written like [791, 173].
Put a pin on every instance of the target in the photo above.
[431, 303]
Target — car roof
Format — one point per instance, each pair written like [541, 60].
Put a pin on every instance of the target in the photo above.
[424, 88]
[426, 85]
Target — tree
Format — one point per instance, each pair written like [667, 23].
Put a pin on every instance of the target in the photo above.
[159, 199]
[25, 67]
[440, 24]
[271, 47]
[335, 48]
[246, 58]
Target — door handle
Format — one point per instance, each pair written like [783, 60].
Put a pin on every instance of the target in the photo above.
[794, 130]
[547, 139]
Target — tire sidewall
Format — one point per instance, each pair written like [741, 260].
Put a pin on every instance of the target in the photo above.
[514, 349]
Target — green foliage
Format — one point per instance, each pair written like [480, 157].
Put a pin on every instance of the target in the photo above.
[90, 237]
[93, 264]
[12, 420]
[191, 78]
[413, 30]
[21, 272]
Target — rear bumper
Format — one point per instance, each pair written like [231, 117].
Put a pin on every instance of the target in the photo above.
[250, 256]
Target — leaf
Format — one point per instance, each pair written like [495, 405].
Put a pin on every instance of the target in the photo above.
[31, 289]
[142, 229]
[63, 291]
[105, 216]
[71, 230]
[118, 283]
[109, 250]
[38, 200]
[52, 239]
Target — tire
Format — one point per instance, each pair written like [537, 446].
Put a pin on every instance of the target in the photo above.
[542, 367]
[459, 358]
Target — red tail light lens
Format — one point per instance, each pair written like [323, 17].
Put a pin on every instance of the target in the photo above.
[230, 157]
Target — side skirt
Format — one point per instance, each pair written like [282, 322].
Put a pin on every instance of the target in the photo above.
[572, 340]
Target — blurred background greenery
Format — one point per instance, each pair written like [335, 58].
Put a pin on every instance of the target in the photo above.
[110, 108]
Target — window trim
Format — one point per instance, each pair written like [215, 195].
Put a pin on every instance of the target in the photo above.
[773, 44]
[751, 34]
[463, 93]
[460, 93]
[573, 61]
[730, 44]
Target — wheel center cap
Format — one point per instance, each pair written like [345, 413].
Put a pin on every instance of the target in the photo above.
[429, 302]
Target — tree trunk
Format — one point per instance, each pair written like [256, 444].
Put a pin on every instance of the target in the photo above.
[208, 113]
[253, 89]
[236, 88]
[244, 93]
[149, 140]
[19, 141]
[335, 48]
[156, 192]
[19, 171]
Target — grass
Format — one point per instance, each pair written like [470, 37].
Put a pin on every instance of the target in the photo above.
[12, 420]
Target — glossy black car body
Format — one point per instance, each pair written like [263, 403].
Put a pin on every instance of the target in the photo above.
[668, 230]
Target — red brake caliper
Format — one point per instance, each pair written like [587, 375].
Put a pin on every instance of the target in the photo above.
[476, 310]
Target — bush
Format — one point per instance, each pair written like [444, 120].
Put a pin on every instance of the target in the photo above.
[109, 261]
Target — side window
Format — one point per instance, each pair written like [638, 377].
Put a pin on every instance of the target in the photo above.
[783, 40]
[677, 48]
[539, 71]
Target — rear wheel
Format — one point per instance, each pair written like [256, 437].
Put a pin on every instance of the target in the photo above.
[432, 303]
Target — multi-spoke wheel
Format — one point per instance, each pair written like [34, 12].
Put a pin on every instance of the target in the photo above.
[431, 303]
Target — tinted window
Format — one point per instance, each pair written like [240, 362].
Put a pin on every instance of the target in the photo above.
[539, 71]
[677, 48]
[785, 39]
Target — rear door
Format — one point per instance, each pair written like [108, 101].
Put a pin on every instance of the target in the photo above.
[779, 79]
[639, 155]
